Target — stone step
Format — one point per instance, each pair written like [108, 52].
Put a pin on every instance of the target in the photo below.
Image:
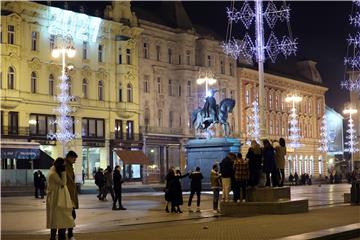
[267, 194]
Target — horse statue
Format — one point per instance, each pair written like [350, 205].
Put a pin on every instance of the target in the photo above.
[205, 118]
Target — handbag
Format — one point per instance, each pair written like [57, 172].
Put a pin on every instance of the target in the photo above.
[64, 199]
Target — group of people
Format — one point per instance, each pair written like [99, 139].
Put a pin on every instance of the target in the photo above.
[305, 179]
[39, 184]
[109, 182]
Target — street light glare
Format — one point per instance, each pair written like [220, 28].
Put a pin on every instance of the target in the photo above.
[212, 81]
[350, 111]
[293, 98]
[71, 52]
[200, 80]
[55, 53]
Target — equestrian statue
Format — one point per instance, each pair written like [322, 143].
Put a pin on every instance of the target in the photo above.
[204, 119]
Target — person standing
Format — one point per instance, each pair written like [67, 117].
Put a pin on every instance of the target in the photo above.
[241, 170]
[176, 192]
[100, 181]
[118, 181]
[269, 164]
[42, 184]
[215, 180]
[280, 152]
[37, 183]
[169, 178]
[195, 187]
[59, 205]
[254, 156]
[70, 159]
[108, 183]
[227, 173]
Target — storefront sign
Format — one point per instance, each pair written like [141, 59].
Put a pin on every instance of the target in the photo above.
[20, 153]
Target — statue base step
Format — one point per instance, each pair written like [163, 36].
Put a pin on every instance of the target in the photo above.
[267, 194]
[347, 198]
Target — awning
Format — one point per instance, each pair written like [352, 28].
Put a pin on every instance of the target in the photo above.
[20, 150]
[132, 157]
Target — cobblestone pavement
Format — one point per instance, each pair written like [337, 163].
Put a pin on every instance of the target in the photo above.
[146, 217]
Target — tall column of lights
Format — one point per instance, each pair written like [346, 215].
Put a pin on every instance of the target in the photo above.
[253, 127]
[294, 129]
[351, 143]
[208, 78]
[246, 50]
[324, 137]
[63, 46]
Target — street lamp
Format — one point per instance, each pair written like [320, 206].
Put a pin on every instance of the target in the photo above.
[64, 45]
[294, 130]
[208, 78]
[351, 137]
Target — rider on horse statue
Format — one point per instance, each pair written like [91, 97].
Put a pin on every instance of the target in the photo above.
[210, 106]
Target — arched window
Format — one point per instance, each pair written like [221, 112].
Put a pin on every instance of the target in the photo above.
[51, 85]
[101, 90]
[85, 88]
[11, 78]
[120, 93]
[33, 82]
[129, 93]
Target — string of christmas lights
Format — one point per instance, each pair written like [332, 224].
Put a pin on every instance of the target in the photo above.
[324, 137]
[351, 138]
[253, 127]
[294, 131]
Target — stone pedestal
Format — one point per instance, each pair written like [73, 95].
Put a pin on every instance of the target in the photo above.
[204, 153]
[268, 194]
[347, 198]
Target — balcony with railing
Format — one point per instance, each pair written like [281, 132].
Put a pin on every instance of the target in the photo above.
[162, 130]
[11, 132]
[117, 136]
[127, 109]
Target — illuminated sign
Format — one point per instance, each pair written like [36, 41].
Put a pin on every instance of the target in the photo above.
[78, 25]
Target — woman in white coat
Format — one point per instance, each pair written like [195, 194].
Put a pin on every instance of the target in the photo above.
[58, 202]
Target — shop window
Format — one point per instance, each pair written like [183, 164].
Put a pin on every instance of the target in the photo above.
[118, 129]
[93, 128]
[42, 125]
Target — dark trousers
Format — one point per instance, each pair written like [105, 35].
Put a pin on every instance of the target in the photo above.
[198, 192]
[70, 230]
[117, 198]
[61, 234]
[216, 192]
[240, 188]
[281, 177]
[274, 180]
[107, 190]
[42, 192]
[254, 177]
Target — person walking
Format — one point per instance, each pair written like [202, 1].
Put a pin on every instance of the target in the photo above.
[280, 152]
[37, 183]
[195, 187]
[59, 205]
[42, 184]
[227, 173]
[241, 176]
[176, 192]
[108, 187]
[100, 181]
[269, 166]
[70, 159]
[254, 156]
[118, 181]
[169, 178]
[215, 180]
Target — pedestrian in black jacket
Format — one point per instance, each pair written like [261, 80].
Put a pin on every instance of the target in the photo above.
[118, 181]
[195, 187]
[176, 192]
[100, 182]
[42, 184]
[227, 173]
[169, 178]
[269, 166]
[37, 183]
[255, 161]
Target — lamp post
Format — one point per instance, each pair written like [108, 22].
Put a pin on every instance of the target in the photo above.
[294, 130]
[63, 46]
[351, 143]
[208, 78]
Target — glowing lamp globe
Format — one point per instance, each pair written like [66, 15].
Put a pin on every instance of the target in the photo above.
[71, 52]
[55, 53]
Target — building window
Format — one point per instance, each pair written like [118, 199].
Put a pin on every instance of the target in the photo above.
[33, 82]
[146, 50]
[320, 165]
[11, 78]
[188, 57]
[51, 85]
[231, 69]
[169, 56]
[129, 93]
[270, 101]
[11, 34]
[159, 85]
[128, 56]
[120, 93]
[100, 53]
[147, 117]
[159, 118]
[85, 50]
[271, 125]
[119, 56]
[118, 129]
[52, 41]
[309, 106]
[189, 88]
[247, 96]
[179, 59]
[209, 61]
[101, 90]
[93, 128]
[146, 84]
[170, 88]
[34, 39]
[13, 123]
[129, 129]
[42, 125]
[179, 90]
[158, 49]
[85, 88]
[222, 67]
[171, 119]
[276, 102]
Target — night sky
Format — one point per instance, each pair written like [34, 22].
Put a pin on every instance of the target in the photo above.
[320, 27]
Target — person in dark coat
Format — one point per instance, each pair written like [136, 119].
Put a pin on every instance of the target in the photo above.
[195, 187]
[37, 183]
[42, 184]
[176, 192]
[269, 166]
[100, 182]
[296, 178]
[108, 185]
[169, 178]
[227, 174]
[254, 156]
[118, 181]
